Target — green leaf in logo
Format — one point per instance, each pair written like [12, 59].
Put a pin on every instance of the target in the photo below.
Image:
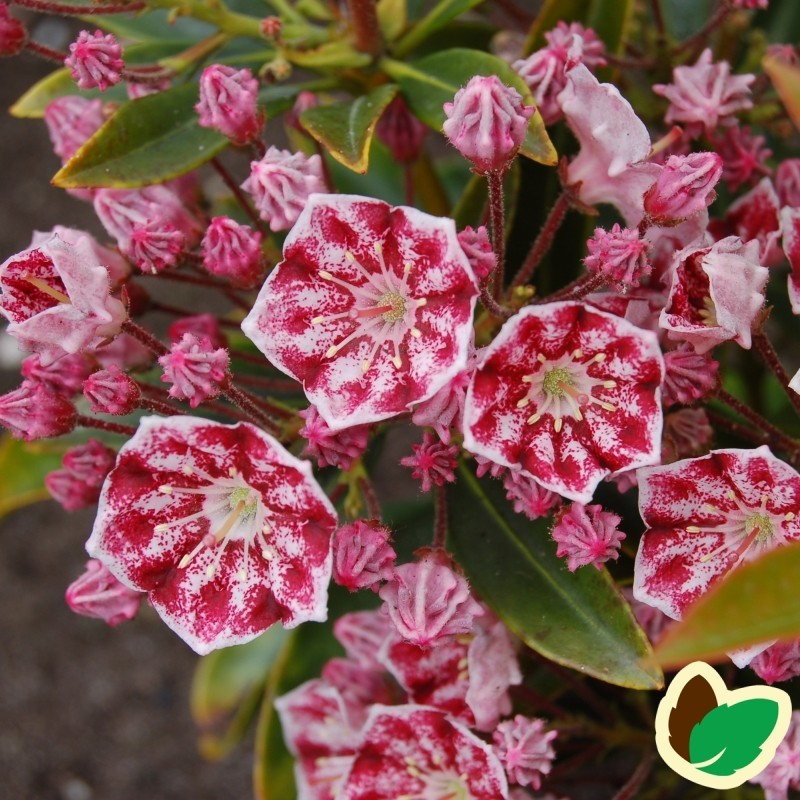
[730, 737]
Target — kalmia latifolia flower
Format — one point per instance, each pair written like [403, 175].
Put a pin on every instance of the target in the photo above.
[401, 132]
[229, 103]
[779, 662]
[689, 376]
[56, 299]
[783, 772]
[524, 747]
[755, 215]
[362, 554]
[13, 35]
[426, 601]
[281, 184]
[332, 448]
[433, 462]
[685, 186]
[706, 516]
[744, 156]
[716, 294]
[111, 391]
[200, 325]
[225, 530]
[95, 60]
[567, 394]
[233, 251]
[371, 308]
[587, 535]
[705, 94]
[98, 594]
[34, 411]
[620, 254]
[195, 369]
[70, 121]
[487, 122]
[417, 752]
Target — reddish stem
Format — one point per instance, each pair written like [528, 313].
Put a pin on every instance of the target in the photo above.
[65, 8]
[579, 288]
[159, 407]
[497, 215]
[638, 778]
[145, 337]
[543, 241]
[370, 497]
[366, 31]
[238, 194]
[48, 53]
[165, 308]
[271, 384]
[698, 39]
[492, 306]
[243, 401]
[105, 425]
[440, 524]
[768, 355]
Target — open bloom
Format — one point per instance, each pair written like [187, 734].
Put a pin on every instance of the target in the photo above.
[705, 516]
[371, 308]
[56, 298]
[568, 394]
[226, 531]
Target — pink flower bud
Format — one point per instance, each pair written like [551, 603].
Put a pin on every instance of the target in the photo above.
[303, 102]
[686, 433]
[433, 462]
[487, 122]
[787, 182]
[332, 448]
[195, 369]
[362, 554]
[587, 535]
[70, 122]
[271, 27]
[529, 497]
[444, 411]
[401, 132]
[689, 375]
[523, 746]
[34, 411]
[70, 491]
[124, 352]
[90, 462]
[97, 593]
[233, 251]
[619, 254]
[155, 246]
[64, 375]
[111, 391]
[281, 183]
[200, 325]
[743, 156]
[13, 35]
[426, 600]
[684, 187]
[95, 60]
[477, 246]
[778, 663]
[229, 103]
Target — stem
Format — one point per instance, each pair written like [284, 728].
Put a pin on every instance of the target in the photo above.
[105, 425]
[47, 53]
[768, 355]
[366, 31]
[492, 306]
[65, 8]
[238, 194]
[408, 184]
[771, 433]
[273, 384]
[543, 241]
[175, 311]
[210, 405]
[244, 402]
[497, 220]
[181, 277]
[698, 39]
[286, 10]
[440, 524]
[579, 288]
[159, 407]
[637, 780]
[145, 337]
[658, 19]
[538, 701]
[370, 498]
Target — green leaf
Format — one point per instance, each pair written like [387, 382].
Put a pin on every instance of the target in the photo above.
[577, 619]
[610, 20]
[432, 81]
[149, 140]
[345, 130]
[23, 466]
[336, 55]
[442, 13]
[227, 687]
[392, 18]
[786, 80]
[155, 25]
[553, 12]
[754, 603]
[730, 736]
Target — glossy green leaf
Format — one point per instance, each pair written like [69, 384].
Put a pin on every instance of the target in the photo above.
[786, 80]
[431, 82]
[754, 603]
[227, 687]
[150, 140]
[23, 466]
[333, 55]
[730, 736]
[577, 619]
[392, 18]
[610, 20]
[442, 12]
[551, 13]
[345, 130]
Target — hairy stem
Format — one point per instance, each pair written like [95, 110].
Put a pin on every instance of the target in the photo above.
[366, 31]
[66, 8]
[543, 241]
[768, 355]
[105, 425]
[440, 524]
[236, 191]
[497, 216]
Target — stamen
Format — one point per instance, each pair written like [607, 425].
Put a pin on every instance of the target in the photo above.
[45, 287]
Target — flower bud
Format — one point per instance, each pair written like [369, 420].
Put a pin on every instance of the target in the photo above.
[65, 375]
[332, 448]
[70, 491]
[523, 746]
[13, 35]
[111, 391]
[787, 182]
[70, 121]
[362, 554]
[199, 325]
[97, 593]
[433, 462]
[195, 369]
[233, 251]
[401, 132]
[95, 60]
[34, 411]
[478, 249]
[619, 254]
[689, 375]
[229, 103]
[487, 123]
[684, 187]
[587, 535]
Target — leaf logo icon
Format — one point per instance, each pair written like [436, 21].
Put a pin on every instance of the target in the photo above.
[716, 737]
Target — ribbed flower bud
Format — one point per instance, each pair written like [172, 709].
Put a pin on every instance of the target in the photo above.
[34, 411]
[362, 554]
[229, 103]
[233, 251]
[111, 391]
[684, 187]
[195, 369]
[98, 594]
[13, 35]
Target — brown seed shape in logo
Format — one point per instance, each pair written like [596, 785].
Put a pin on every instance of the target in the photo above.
[695, 701]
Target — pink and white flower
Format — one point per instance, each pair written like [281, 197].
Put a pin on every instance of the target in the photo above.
[226, 531]
[56, 299]
[98, 594]
[371, 308]
[783, 772]
[433, 462]
[756, 215]
[417, 752]
[567, 394]
[706, 516]
[716, 294]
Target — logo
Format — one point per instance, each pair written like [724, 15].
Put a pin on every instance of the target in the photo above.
[718, 737]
